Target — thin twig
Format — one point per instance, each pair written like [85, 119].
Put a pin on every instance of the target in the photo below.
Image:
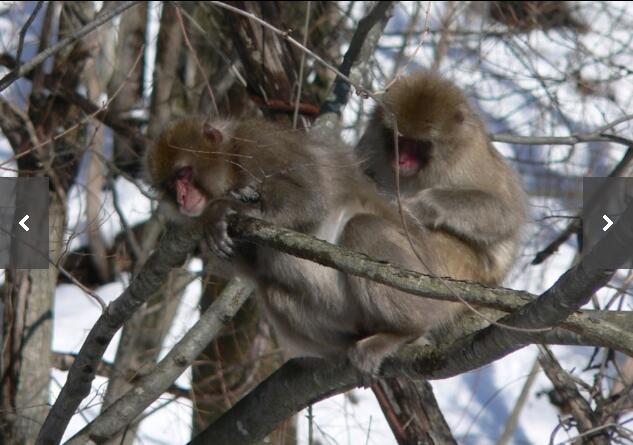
[306, 30]
[417, 48]
[595, 136]
[137, 252]
[197, 60]
[24, 29]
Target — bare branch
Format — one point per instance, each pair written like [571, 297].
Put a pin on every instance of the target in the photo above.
[125, 409]
[11, 77]
[567, 390]
[63, 362]
[595, 136]
[315, 382]
[25, 28]
[87, 106]
[285, 36]
[361, 48]
[575, 287]
[172, 252]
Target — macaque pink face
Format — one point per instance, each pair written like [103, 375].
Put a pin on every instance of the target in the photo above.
[191, 201]
[413, 155]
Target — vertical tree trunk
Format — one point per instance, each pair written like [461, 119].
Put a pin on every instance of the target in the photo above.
[412, 412]
[28, 313]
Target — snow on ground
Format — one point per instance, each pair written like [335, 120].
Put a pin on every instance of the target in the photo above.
[76, 313]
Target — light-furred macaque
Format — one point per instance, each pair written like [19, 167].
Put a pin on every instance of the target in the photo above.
[210, 168]
[451, 177]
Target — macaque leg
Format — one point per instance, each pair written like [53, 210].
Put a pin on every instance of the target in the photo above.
[391, 317]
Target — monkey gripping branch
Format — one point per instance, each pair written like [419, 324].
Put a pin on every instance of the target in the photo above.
[304, 381]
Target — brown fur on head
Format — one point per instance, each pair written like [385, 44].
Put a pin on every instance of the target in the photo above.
[188, 163]
[426, 106]
[433, 120]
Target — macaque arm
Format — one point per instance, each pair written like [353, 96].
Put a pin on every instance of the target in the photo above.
[475, 215]
[292, 201]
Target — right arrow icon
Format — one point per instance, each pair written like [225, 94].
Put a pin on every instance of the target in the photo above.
[609, 223]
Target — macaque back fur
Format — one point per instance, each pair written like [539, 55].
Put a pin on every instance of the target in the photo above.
[452, 179]
[210, 168]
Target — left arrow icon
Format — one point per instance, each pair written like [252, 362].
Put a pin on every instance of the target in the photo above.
[23, 221]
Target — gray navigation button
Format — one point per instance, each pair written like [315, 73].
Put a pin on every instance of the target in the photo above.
[24, 223]
[604, 202]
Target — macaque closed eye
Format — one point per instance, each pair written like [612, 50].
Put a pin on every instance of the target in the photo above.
[184, 173]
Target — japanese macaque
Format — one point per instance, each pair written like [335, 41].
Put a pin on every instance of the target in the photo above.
[452, 179]
[211, 168]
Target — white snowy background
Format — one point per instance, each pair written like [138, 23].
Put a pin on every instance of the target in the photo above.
[477, 404]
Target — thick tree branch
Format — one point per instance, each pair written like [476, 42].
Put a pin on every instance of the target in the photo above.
[294, 386]
[63, 362]
[302, 382]
[416, 283]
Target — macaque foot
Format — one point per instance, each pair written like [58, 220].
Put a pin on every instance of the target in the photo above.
[248, 194]
[368, 354]
[218, 239]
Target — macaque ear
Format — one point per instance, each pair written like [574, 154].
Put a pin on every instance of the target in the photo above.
[460, 115]
[212, 133]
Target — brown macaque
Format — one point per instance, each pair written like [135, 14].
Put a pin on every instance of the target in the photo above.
[452, 179]
[211, 168]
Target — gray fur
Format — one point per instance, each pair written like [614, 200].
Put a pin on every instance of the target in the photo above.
[317, 187]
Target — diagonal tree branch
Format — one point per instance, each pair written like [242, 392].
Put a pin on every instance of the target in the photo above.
[361, 47]
[125, 409]
[304, 381]
[172, 252]
[415, 283]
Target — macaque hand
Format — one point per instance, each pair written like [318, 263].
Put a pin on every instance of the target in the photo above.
[426, 209]
[217, 236]
[247, 194]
